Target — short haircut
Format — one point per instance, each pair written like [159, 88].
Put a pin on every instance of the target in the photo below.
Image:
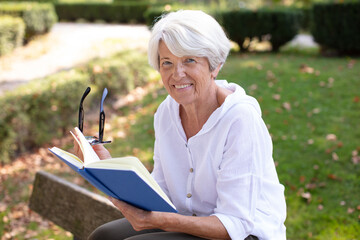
[189, 33]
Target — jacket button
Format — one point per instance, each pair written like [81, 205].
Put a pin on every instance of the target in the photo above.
[189, 195]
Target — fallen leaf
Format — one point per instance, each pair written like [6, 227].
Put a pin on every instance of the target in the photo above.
[304, 68]
[270, 75]
[306, 195]
[287, 106]
[316, 110]
[253, 87]
[351, 63]
[322, 84]
[311, 186]
[356, 99]
[355, 159]
[335, 157]
[330, 82]
[302, 179]
[276, 97]
[333, 177]
[350, 210]
[331, 137]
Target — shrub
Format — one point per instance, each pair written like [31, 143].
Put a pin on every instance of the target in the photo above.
[38, 17]
[336, 26]
[12, 31]
[36, 112]
[155, 11]
[122, 73]
[46, 108]
[152, 14]
[281, 25]
[122, 12]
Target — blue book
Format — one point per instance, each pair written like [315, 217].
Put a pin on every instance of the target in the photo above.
[124, 178]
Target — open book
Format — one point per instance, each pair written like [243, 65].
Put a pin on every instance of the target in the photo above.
[124, 178]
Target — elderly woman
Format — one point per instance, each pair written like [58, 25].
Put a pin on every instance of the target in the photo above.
[213, 152]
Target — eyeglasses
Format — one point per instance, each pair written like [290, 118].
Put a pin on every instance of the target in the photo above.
[92, 139]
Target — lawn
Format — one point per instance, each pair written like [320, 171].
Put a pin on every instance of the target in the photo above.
[311, 106]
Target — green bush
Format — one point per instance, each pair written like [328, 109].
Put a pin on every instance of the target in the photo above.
[12, 30]
[38, 17]
[155, 11]
[119, 75]
[336, 26]
[123, 12]
[36, 112]
[152, 14]
[280, 25]
[47, 108]
[41, 1]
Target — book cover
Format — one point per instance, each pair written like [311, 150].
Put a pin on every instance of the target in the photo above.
[125, 178]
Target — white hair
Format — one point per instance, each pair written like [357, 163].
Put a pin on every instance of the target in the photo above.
[189, 33]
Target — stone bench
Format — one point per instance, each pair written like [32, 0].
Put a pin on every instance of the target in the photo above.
[69, 206]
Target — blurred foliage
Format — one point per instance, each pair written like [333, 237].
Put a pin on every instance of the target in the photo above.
[44, 109]
[38, 17]
[122, 73]
[336, 27]
[277, 25]
[12, 30]
[120, 12]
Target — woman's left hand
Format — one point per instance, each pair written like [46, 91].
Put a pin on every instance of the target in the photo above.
[138, 218]
[206, 227]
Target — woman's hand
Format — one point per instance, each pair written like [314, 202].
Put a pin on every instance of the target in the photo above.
[206, 227]
[138, 218]
[101, 151]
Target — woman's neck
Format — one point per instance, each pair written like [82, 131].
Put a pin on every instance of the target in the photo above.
[193, 116]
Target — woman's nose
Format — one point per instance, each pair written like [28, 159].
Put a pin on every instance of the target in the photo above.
[179, 71]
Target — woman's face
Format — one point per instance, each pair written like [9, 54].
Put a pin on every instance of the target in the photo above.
[187, 79]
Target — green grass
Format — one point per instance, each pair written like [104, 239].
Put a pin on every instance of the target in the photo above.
[305, 158]
[319, 107]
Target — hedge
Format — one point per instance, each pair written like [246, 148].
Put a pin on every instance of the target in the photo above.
[44, 109]
[122, 12]
[155, 11]
[12, 30]
[35, 113]
[38, 17]
[336, 26]
[281, 25]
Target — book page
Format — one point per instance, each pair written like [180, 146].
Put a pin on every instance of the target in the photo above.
[71, 158]
[88, 152]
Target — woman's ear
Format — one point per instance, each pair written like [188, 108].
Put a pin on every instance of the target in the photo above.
[215, 72]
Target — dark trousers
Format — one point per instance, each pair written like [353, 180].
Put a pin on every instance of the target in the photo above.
[122, 229]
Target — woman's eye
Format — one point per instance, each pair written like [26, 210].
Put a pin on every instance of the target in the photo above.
[166, 63]
[190, 60]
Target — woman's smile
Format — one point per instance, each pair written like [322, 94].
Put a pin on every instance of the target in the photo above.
[182, 86]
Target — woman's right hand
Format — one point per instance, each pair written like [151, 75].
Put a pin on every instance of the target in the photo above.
[101, 151]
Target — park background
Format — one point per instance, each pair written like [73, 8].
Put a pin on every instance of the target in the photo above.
[309, 95]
